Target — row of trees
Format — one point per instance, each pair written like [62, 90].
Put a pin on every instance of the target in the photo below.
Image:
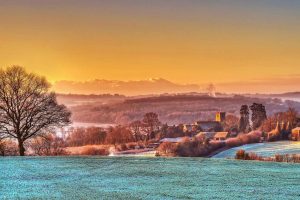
[143, 130]
[259, 118]
[290, 117]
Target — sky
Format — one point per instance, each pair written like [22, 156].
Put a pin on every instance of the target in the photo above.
[228, 42]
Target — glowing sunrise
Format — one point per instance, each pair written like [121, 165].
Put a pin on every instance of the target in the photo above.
[149, 99]
[182, 41]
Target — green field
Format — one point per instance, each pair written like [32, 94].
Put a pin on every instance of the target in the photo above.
[146, 178]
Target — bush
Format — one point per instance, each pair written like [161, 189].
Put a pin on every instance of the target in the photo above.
[242, 155]
[49, 145]
[8, 148]
[195, 147]
[252, 137]
[92, 151]
[121, 147]
[167, 149]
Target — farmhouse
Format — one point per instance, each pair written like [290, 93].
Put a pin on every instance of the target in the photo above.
[206, 135]
[220, 136]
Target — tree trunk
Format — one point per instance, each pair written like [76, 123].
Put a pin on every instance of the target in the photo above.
[21, 147]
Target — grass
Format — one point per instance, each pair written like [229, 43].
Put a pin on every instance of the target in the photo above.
[146, 178]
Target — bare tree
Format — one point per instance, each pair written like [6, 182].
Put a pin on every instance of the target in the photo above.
[48, 145]
[27, 108]
[136, 128]
[151, 124]
[119, 135]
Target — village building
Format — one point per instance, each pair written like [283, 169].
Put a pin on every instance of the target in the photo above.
[221, 136]
[173, 140]
[209, 126]
[188, 128]
[220, 116]
[206, 135]
[296, 134]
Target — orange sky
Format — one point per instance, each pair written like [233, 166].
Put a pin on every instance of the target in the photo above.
[182, 41]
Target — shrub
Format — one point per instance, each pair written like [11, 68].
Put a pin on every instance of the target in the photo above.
[167, 149]
[279, 158]
[8, 148]
[49, 145]
[189, 148]
[252, 137]
[92, 151]
[240, 154]
[121, 147]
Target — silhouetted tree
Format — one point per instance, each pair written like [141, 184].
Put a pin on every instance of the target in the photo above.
[244, 119]
[27, 109]
[259, 114]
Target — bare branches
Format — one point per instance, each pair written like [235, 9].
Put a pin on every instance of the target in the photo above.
[27, 109]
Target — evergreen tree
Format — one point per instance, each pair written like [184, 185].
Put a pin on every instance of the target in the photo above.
[244, 119]
[259, 115]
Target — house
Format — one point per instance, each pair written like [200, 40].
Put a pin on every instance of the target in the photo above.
[220, 136]
[206, 135]
[187, 128]
[296, 134]
[209, 126]
[173, 140]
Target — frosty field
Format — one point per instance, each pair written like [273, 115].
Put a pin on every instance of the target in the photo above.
[146, 178]
[264, 149]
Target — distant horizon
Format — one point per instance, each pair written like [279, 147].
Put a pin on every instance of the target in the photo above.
[161, 86]
[174, 93]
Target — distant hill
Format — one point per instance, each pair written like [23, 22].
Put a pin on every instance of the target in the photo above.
[143, 87]
[288, 94]
[172, 109]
